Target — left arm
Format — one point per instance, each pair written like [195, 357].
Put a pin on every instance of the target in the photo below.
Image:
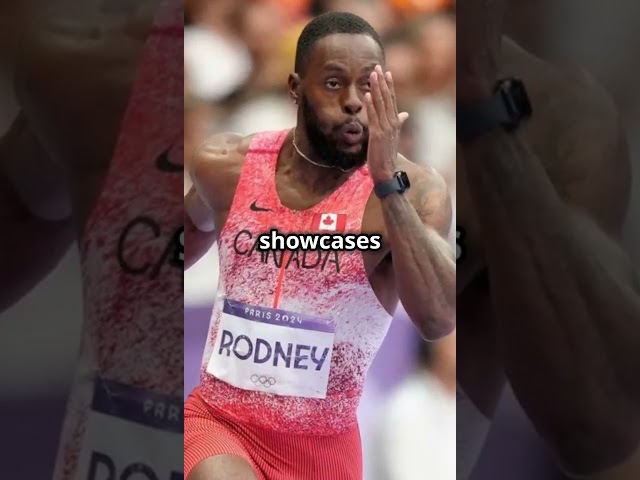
[423, 262]
[567, 302]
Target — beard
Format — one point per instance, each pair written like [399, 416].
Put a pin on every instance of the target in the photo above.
[325, 146]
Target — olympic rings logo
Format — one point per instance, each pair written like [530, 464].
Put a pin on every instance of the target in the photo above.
[263, 380]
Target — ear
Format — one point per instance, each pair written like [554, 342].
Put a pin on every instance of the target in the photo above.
[294, 87]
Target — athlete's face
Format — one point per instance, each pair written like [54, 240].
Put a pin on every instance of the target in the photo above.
[331, 94]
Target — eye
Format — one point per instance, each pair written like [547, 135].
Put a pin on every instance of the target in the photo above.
[366, 86]
[332, 84]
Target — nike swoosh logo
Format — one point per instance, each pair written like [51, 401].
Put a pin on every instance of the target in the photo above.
[256, 208]
[164, 163]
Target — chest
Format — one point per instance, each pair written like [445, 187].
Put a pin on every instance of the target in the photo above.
[297, 209]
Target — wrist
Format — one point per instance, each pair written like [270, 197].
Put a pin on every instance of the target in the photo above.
[505, 108]
[383, 176]
[398, 183]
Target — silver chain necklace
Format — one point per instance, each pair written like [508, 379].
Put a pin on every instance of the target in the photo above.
[315, 163]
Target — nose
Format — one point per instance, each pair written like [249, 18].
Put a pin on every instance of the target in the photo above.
[352, 104]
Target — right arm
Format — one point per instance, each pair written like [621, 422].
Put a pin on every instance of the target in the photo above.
[199, 228]
[214, 171]
[199, 214]
[35, 214]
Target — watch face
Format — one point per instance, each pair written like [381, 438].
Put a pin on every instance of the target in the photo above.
[403, 180]
[516, 99]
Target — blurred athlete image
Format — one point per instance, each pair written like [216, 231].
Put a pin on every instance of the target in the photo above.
[548, 299]
[294, 331]
[95, 154]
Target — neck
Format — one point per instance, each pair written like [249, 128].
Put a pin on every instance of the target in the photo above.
[318, 179]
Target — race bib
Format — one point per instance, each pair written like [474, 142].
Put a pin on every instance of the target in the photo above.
[133, 435]
[272, 350]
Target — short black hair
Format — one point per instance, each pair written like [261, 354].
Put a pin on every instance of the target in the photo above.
[328, 24]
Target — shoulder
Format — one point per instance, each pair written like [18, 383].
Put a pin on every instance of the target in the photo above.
[421, 174]
[581, 115]
[567, 101]
[217, 153]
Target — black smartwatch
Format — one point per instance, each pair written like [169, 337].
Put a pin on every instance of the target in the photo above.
[507, 108]
[398, 184]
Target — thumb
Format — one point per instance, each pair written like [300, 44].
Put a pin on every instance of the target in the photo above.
[403, 117]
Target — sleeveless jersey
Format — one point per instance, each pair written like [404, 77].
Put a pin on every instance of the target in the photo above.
[292, 334]
[125, 412]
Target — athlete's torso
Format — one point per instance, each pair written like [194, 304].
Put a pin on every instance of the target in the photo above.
[223, 182]
[355, 289]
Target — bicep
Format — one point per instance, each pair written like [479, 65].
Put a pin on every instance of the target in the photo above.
[598, 189]
[601, 189]
[592, 173]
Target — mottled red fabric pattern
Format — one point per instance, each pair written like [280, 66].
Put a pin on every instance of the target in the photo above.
[132, 273]
[324, 284]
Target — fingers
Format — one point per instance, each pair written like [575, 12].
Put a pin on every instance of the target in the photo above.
[389, 108]
[372, 115]
[381, 102]
[402, 117]
[392, 94]
[377, 99]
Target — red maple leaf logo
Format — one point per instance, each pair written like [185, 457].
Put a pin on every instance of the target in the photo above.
[327, 220]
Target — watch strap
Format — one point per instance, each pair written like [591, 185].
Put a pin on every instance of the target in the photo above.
[484, 115]
[388, 187]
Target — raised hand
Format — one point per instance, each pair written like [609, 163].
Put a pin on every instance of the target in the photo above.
[384, 125]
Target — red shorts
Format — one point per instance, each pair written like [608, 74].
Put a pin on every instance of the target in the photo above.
[273, 456]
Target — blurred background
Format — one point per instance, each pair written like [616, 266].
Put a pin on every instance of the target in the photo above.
[238, 55]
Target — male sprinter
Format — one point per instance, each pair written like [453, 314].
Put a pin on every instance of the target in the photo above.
[105, 101]
[293, 332]
[548, 300]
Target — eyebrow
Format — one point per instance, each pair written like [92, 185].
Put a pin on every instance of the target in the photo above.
[332, 67]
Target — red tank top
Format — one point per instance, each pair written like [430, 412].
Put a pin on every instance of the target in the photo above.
[292, 335]
[125, 407]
